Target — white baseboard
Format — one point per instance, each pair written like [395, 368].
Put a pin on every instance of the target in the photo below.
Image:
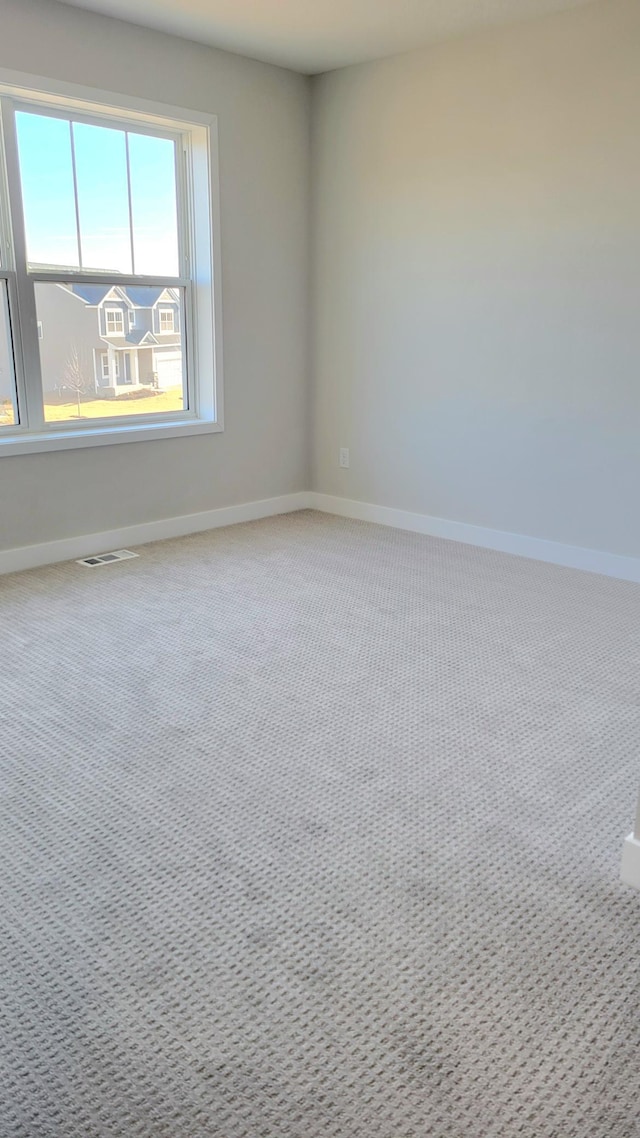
[68, 548]
[554, 552]
[572, 556]
[630, 871]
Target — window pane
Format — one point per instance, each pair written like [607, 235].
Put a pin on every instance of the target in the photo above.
[8, 401]
[97, 363]
[103, 198]
[46, 171]
[75, 179]
[153, 205]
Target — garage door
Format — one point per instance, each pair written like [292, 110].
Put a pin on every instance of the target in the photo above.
[168, 368]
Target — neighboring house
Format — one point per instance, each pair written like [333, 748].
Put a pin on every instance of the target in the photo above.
[115, 337]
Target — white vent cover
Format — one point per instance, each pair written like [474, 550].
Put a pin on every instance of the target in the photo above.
[107, 558]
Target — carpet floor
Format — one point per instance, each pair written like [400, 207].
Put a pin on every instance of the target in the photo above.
[312, 829]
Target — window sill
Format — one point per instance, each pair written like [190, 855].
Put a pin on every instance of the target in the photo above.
[34, 443]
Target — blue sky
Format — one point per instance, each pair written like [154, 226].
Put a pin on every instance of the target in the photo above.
[46, 170]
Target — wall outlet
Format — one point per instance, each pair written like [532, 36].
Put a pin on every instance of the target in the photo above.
[344, 457]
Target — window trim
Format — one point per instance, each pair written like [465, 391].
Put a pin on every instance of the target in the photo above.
[164, 309]
[198, 166]
[112, 310]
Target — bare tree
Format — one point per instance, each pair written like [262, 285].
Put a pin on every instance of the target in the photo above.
[75, 374]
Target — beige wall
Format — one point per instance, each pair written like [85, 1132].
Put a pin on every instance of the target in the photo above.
[477, 279]
[263, 124]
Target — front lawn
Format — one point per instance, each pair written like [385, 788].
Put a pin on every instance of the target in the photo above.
[145, 404]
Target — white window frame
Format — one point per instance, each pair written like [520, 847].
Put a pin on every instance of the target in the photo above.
[132, 318]
[111, 311]
[106, 371]
[197, 170]
[164, 310]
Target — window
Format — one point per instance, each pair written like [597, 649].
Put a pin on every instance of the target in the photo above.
[104, 365]
[114, 320]
[111, 215]
[166, 319]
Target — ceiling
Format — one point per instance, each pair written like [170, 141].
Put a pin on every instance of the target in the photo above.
[318, 35]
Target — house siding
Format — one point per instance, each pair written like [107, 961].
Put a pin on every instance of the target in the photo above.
[68, 325]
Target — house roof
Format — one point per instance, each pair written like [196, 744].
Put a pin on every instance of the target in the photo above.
[145, 296]
[140, 296]
[134, 336]
[132, 340]
[116, 341]
[91, 293]
[142, 339]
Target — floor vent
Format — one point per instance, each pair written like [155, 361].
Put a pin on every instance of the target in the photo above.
[107, 558]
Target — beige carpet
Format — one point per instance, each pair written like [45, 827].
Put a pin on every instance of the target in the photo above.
[312, 829]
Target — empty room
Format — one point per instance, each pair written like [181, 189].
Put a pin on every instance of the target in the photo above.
[319, 568]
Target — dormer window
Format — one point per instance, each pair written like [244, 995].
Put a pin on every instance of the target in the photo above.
[166, 320]
[114, 321]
